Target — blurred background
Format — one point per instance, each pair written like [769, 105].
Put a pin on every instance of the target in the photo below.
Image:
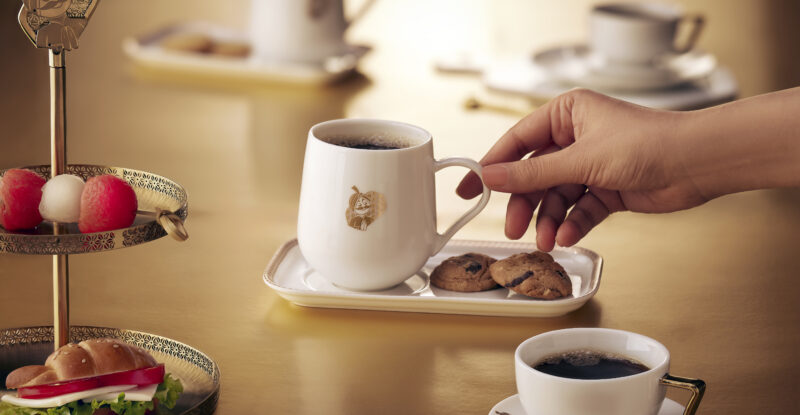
[175, 88]
[423, 65]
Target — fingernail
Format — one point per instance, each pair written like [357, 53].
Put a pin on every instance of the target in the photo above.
[495, 176]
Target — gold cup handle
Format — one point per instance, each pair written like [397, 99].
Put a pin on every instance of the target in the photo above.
[696, 386]
[697, 21]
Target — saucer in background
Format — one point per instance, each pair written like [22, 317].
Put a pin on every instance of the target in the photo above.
[523, 76]
[579, 66]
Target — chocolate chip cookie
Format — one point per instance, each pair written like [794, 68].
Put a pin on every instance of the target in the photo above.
[465, 273]
[188, 42]
[535, 274]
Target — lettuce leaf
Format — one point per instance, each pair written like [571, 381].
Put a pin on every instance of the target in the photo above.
[168, 391]
[167, 395]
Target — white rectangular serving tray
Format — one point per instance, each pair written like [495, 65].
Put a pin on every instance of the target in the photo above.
[292, 278]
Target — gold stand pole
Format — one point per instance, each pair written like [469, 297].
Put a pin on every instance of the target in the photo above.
[61, 299]
[58, 165]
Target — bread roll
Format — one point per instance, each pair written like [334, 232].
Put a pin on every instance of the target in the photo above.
[88, 358]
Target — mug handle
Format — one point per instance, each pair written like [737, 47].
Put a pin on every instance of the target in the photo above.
[441, 239]
[360, 12]
[696, 386]
[697, 21]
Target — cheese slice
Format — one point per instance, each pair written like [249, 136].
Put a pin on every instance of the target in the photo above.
[66, 398]
[145, 393]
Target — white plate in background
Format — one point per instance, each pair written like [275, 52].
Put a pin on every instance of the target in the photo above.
[146, 51]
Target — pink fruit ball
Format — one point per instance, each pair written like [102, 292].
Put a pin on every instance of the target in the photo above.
[107, 203]
[20, 194]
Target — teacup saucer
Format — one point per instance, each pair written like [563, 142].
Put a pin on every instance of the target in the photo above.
[577, 65]
[513, 406]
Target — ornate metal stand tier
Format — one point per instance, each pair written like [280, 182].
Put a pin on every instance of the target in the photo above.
[198, 373]
[162, 204]
[56, 25]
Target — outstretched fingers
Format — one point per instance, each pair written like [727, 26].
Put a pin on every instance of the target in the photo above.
[521, 205]
[590, 209]
[552, 211]
[520, 212]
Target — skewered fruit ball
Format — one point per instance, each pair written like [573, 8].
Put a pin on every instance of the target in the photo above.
[107, 203]
[61, 198]
[20, 194]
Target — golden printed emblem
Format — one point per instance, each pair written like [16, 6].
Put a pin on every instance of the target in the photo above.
[364, 208]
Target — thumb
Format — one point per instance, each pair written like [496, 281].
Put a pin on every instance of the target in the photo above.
[535, 173]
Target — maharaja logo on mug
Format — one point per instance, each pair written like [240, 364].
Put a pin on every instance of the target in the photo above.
[364, 209]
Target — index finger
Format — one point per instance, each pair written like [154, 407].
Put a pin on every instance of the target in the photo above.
[533, 132]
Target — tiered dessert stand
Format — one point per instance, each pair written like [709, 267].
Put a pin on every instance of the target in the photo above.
[56, 26]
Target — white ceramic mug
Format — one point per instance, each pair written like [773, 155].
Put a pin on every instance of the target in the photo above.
[639, 394]
[304, 31]
[367, 218]
[639, 33]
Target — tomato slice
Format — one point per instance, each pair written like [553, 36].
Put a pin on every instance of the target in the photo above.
[139, 377]
[57, 389]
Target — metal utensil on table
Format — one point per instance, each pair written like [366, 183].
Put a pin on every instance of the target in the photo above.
[502, 105]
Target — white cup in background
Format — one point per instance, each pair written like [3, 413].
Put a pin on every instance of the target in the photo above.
[639, 33]
[302, 31]
[367, 217]
[640, 394]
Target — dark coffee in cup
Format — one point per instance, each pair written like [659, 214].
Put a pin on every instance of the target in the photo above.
[370, 146]
[371, 142]
[589, 364]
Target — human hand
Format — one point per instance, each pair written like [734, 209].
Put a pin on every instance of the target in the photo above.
[581, 157]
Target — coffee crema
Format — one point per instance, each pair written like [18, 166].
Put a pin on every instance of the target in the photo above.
[589, 364]
[370, 142]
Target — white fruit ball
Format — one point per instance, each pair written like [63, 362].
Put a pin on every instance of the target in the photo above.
[61, 198]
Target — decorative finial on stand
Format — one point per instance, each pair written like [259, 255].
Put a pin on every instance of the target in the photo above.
[55, 24]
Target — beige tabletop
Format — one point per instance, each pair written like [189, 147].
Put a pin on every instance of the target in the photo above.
[718, 285]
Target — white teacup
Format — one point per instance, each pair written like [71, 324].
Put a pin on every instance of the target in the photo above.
[367, 217]
[304, 31]
[639, 33]
[638, 394]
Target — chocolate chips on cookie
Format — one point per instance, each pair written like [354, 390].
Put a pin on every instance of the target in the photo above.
[465, 273]
[533, 274]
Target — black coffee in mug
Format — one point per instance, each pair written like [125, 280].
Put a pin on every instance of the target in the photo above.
[370, 146]
[589, 364]
[370, 142]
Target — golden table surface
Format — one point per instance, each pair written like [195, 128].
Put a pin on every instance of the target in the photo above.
[718, 285]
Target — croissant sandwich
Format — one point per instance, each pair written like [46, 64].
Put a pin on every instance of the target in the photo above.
[93, 377]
